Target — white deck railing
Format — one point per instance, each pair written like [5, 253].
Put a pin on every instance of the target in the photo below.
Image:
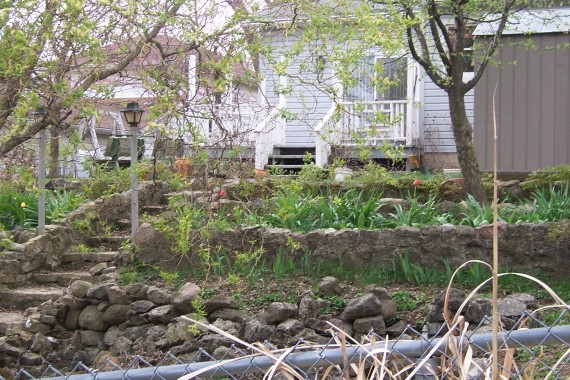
[324, 133]
[362, 123]
[371, 122]
[271, 130]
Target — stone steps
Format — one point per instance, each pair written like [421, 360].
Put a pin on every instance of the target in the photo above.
[24, 298]
[110, 243]
[89, 257]
[60, 278]
[89, 266]
[154, 209]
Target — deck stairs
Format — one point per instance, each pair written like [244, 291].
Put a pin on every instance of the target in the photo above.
[287, 159]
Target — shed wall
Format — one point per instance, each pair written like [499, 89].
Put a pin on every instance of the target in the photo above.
[532, 105]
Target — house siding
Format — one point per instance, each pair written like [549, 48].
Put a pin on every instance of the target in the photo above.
[436, 125]
[532, 106]
[308, 102]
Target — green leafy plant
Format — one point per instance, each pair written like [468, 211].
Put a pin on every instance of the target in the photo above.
[84, 224]
[198, 314]
[104, 180]
[82, 248]
[170, 277]
[305, 212]
[545, 178]
[310, 173]
[476, 214]
[246, 262]
[266, 299]
[551, 204]
[405, 301]
[5, 244]
[130, 277]
[374, 176]
[60, 202]
[336, 304]
[279, 266]
[207, 293]
[19, 206]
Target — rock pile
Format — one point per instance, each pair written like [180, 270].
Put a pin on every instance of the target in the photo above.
[93, 321]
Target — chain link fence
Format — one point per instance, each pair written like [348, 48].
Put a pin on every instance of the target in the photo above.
[538, 346]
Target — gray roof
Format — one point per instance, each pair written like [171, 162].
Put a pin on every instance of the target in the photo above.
[535, 21]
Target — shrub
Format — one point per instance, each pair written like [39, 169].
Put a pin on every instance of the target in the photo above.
[543, 178]
[105, 181]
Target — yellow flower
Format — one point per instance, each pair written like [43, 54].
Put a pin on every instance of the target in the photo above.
[23, 205]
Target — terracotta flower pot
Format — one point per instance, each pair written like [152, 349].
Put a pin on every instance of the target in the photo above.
[182, 166]
[260, 173]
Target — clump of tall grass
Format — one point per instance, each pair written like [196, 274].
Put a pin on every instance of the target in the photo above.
[305, 212]
[19, 207]
[415, 214]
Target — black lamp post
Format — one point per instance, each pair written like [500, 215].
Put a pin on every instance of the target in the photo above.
[133, 114]
[39, 114]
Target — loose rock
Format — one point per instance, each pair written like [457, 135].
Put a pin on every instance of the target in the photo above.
[182, 299]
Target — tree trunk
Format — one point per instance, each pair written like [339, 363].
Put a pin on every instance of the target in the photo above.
[463, 135]
[53, 166]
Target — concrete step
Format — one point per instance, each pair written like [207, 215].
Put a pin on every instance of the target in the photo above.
[111, 243]
[123, 224]
[154, 209]
[89, 257]
[305, 146]
[24, 298]
[60, 278]
[288, 156]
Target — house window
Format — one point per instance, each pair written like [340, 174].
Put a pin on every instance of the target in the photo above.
[396, 70]
[369, 87]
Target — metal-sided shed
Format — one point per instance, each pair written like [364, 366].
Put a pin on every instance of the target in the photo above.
[532, 102]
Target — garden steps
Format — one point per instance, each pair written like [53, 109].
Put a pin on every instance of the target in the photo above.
[153, 210]
[110, 243]
[46, 285]
[83, 265]
[63, 279]
[89, 257]
[23, 298]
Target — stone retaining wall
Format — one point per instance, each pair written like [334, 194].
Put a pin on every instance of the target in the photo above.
[532, 248]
